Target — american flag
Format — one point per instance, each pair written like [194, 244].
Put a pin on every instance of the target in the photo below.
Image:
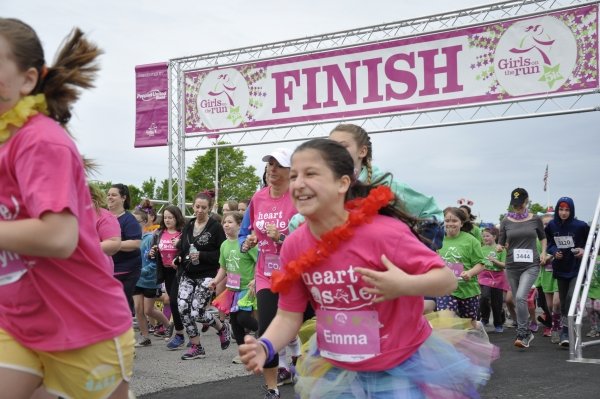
[546, 179]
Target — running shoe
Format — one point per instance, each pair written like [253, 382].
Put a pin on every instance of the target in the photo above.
[499, 329]
[272, 394]
[523, 342]
[593, 333]
[283, 376]
[237, 360]
[555, 336]
[160, 331]
[547, 332]
[194, 352]
[143, 342]
[564, 339]
[533, 326]
[225, 336]
[169, 332]
[205, 328]
[176, 342]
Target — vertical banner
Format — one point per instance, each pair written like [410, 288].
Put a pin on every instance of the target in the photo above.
[151, 105]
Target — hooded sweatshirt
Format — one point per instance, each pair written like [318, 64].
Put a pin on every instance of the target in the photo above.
[563, 236]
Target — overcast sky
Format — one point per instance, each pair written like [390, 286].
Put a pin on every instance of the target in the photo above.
[482, 162]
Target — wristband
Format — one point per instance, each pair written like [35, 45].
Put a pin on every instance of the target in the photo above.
[268, 346]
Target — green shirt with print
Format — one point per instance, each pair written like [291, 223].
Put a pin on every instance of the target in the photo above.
[234, 261]
[464, 249]
[490, 250]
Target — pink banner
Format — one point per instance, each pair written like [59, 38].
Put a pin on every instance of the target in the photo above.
[536, 56]
[151, 105]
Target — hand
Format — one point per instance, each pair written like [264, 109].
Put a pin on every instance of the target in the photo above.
[252, 286]
[194, 256]
[212, 285]
[152, 252]
[543, 258]
[465, 275]
[499, 248]
[272, 232]
[252, 354]
[175, 241]
[558, 255]
[250, 242]
[386, 285]
[579, 253]
[491, 258]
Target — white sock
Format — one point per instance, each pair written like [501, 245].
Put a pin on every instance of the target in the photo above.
[294, 346]
[282, 359]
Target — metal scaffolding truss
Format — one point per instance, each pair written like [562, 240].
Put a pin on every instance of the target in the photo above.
[179, 143]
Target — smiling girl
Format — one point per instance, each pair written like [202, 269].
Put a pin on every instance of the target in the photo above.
[365, 271]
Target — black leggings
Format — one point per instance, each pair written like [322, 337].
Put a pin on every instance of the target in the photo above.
[267, 309]
[172, 286]
[491, 299]
[240, 321]
[129, 280]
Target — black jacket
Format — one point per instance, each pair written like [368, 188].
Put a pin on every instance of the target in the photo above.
[208, 243]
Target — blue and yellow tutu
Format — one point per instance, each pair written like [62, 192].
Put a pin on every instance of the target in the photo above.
[453, 363]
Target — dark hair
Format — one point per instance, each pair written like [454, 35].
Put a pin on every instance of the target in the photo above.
[467, 208]
[467, 225]
[146, 206]
[179, 219]
[361, 137]
[340, 162]
[75, 65]
[493, 231]
[123, 192]
[206, 195]
[236, 215]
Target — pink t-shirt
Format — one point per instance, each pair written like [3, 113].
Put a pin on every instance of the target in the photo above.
[166, 247]
[268, 210]
[333, 285]
[107, 227]
[59, 304]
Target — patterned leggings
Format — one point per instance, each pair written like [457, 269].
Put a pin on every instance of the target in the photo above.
[193, 297]
[467, 308]
[593, 309]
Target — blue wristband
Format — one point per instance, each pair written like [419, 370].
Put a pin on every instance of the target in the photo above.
[268, 345]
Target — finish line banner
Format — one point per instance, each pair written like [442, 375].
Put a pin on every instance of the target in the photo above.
[543, 55]
[151, 105]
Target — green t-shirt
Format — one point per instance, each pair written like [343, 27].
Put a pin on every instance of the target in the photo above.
[465, 249]
[488, 250]
[476, 232]
[594, 292]
[234, 261]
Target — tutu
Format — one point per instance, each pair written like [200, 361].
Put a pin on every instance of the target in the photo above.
[247, 301]
[229, 301]
[453, 363]
[494, 279]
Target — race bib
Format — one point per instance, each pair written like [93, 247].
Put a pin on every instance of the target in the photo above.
[348, 336]
[523, 255]
[233, 281]
[12, 267]
[272, 262]
[564, 242]
[457, 268]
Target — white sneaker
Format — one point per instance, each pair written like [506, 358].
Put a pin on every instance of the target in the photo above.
[237, 360]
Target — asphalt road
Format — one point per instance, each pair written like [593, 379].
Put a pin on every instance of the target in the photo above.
[541, 371]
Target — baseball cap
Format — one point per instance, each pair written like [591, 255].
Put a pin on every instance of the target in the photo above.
[518, 196]
[282, 155]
